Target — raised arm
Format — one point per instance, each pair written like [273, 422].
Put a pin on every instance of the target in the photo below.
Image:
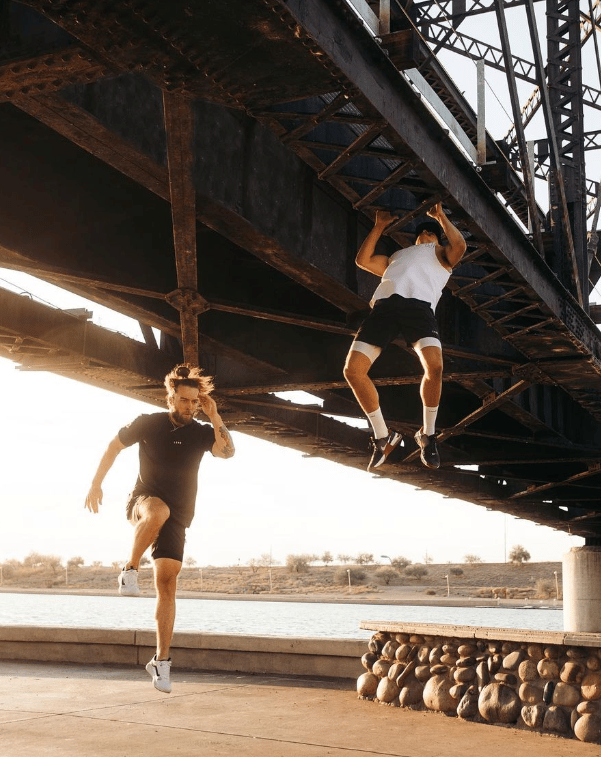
[454, 250]
[223, 446]
[94, 498]
[366, 259]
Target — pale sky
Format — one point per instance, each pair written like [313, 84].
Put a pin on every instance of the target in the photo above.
[265, 499]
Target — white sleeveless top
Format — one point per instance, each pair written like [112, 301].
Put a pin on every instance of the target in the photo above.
[414, 272]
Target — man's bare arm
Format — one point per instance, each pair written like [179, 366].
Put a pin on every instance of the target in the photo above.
[454, 250]
[366, 258]
[224, 445]
[94, 497]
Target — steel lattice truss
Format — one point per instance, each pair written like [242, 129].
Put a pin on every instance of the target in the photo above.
[225, 159]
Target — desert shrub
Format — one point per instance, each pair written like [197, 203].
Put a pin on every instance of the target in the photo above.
[472, 559]
[416, 571]
[364, 558]
[298, 563]
[400, 562]
[456, 571]
[386, 574]
[519, 555]
[341, 575]
[544, 589]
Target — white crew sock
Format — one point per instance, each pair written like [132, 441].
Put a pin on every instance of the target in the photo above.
[378, 424]
[430, 420]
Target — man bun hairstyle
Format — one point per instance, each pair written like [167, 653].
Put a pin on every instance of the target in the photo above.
[430, 226]
[186, 375]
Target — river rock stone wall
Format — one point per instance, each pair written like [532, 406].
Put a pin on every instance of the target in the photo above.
[547, 687]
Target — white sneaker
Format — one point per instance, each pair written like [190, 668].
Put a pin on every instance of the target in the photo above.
[160, 671]
[128, 583]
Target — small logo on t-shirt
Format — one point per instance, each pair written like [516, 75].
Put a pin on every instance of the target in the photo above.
[176, 442]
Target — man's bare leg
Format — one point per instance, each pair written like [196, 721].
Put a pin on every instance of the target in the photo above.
[431, 386]
[148, 518]
[430, 392]
[355, 372]
[166, 572]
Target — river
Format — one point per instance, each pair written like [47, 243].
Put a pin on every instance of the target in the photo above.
[256, 618]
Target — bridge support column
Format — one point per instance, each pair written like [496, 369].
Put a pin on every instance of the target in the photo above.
[582, 590]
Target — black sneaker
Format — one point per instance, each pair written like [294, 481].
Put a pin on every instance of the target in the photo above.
[429, 451]
[381, 448]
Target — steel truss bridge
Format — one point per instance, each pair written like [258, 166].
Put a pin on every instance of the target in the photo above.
[209, 168]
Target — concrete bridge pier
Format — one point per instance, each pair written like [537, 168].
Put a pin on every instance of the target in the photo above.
[582, 589]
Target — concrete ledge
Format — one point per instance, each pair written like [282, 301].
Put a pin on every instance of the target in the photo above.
[325, 658]
[563, 638]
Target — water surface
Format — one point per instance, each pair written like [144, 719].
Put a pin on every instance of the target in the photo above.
[255, 618]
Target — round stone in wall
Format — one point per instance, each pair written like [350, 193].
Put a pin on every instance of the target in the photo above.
[482, 674]
[565, 695]
[387, 691]
[464, 675]
[527, 671]
[437, 694]
[535, 652]
[556, 720]
[395, 670]
[381, 668]
[368, 660]
[548, 669]
[533, 715]
[513, 659]
[572, 672]
[499, 703]
[468, 706]
[588, 728]
[389, 649]
[367, 685]
[591, 685]
[587, 708]
[422, 673]
[593, 663]
[531, 693]
[411, 693]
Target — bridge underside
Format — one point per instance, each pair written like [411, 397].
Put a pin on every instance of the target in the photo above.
[210, 169]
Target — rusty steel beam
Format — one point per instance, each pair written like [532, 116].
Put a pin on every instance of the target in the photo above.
[179, 128]
[50, 71]
[521, 137]
[87, 132]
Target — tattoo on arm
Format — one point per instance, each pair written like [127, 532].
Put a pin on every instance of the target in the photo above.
[228, 446]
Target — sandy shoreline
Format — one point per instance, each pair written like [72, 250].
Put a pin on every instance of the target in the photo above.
[407, 597]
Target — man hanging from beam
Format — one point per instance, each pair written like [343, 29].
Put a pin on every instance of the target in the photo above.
[412, 280]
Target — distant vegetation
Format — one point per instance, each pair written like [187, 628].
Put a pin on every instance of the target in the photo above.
[303, 574]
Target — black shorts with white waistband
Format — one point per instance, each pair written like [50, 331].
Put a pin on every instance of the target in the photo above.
[397, 316]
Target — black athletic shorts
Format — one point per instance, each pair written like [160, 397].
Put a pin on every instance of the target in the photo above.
[172, 536]
[398, 316]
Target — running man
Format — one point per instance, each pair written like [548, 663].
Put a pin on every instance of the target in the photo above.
[412, 280]
[161, 506]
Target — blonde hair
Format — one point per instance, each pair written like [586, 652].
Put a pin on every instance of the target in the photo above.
[186, 375]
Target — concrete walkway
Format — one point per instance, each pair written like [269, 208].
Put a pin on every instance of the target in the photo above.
[53, 710]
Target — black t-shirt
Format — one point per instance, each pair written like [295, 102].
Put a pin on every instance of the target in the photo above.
[169, 460]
